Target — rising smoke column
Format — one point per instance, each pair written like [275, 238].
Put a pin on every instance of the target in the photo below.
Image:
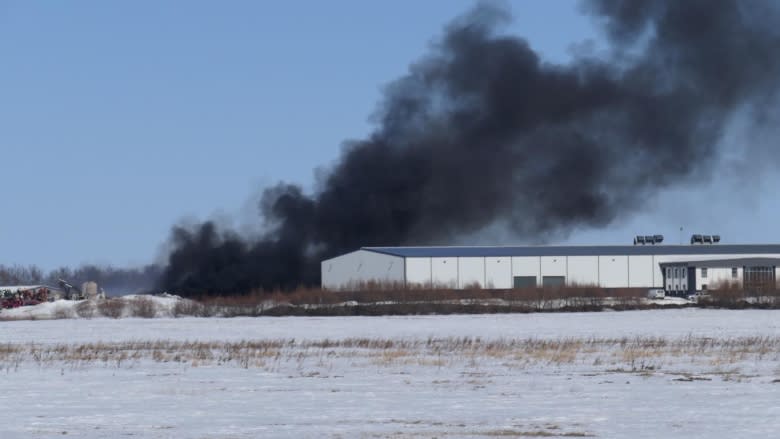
[483, 131]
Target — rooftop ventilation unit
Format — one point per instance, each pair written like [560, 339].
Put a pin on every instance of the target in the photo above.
[648, 239]
[705, 239]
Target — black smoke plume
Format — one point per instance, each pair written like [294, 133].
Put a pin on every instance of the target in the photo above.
[482, 131]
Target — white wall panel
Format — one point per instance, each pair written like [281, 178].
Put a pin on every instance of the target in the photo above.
[445, 272]
[526, 266]
[613, 271]
[719, 275]
[658, 276]
[553, 266]
[583, 270]
[418, 271]
[640, 271]
[498, 272]
[471, 270]
[361, 266]
[716, 276]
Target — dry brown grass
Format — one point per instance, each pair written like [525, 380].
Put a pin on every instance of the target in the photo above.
[380, 299]
[626, 355]
[62, 312]
[532, 433]
[733, 295]
[143, 307]
[188, 308]
[86, 309]
[112, 308]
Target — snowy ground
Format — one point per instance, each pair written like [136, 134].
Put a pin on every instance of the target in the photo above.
[162, 306]
[641, 374]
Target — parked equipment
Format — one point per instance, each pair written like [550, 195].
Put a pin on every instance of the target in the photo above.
[22, 297]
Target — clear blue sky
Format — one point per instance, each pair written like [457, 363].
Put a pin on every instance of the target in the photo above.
[119, 119]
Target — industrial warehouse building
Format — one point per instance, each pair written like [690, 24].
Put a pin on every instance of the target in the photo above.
[678, 269]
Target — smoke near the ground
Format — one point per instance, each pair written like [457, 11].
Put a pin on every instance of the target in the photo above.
[483, 130]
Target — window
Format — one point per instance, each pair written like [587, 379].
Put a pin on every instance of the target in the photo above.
[734, 273]
[759, 278]
[704, 287]
[683, 272]
[704, 272]
[668, 272]
[676, 272]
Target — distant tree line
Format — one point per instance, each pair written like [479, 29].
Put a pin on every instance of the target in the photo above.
[115, 281]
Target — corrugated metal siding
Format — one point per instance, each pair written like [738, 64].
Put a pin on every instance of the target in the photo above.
[361, 266]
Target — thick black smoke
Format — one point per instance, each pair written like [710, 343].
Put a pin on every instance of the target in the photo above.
[483, 131]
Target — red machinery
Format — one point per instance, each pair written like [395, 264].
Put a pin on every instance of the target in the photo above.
[32, 296]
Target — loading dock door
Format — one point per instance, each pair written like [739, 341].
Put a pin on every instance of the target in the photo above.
[553, 281]
[524, 282]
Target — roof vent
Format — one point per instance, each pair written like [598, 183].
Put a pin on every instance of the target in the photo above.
[648, 239]
[705, 239]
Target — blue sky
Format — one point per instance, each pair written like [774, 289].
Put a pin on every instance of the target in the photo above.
[119, 119]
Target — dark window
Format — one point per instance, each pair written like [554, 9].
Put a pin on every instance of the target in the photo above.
[704, 272]
[525, 281]
[734, 273]
[683, 272]
[704, 287]
[668, 272]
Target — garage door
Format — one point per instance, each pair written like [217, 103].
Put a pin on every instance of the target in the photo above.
[553, 281]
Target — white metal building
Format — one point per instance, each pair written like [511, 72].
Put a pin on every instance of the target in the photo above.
[676, 268]
[691, 276]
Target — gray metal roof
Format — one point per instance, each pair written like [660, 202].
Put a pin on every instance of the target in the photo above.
[579, 250]
[733, 262]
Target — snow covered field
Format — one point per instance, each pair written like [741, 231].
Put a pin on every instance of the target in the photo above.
[639, 374]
